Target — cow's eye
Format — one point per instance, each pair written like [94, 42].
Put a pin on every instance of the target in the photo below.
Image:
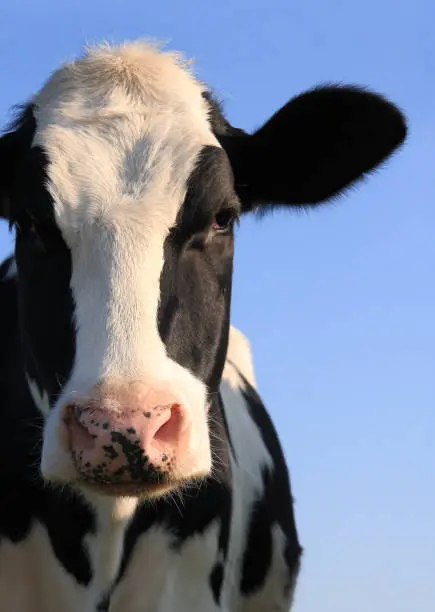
[224, 219]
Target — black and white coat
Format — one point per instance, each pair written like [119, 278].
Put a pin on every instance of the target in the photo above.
[141, 471]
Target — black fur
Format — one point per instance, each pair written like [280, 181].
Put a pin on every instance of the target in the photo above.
[318, 144]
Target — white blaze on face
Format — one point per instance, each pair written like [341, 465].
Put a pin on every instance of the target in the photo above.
[122, 129]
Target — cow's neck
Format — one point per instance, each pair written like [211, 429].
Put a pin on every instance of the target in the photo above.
[106, 544]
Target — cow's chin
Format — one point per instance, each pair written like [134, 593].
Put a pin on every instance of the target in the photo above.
[141, 491]
[151, 483]
[130, 489]
[160, 485]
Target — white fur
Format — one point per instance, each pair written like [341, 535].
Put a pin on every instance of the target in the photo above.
[106, 545]
[40, 400]
[11, 271]
[239, 360]
[273, 588]
[247, 483]
[159, 579]
[33, 580]
[122, 127]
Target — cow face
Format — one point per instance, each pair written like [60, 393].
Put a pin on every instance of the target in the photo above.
[123, 181]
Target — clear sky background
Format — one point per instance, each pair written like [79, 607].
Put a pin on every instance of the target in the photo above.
[339, 304]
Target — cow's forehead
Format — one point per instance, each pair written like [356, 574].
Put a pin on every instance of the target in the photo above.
[122, 128]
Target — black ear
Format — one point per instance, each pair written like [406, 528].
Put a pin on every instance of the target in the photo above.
[13, 144]
[315, 146]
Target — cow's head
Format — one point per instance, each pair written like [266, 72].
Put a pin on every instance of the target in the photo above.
[124, 181]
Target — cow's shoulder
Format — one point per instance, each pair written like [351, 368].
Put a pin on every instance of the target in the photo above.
[239, 364]
[263, 522]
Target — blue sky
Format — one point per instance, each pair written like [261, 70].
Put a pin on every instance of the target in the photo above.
[338, 304]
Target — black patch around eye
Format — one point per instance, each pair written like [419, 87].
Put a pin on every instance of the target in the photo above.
[32, 210]
[210, 191]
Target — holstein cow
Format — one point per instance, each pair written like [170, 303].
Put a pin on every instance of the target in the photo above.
[139, 470]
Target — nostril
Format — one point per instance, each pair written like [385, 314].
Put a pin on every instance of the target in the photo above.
[78, 430]
[170, 430]
[72, 415]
